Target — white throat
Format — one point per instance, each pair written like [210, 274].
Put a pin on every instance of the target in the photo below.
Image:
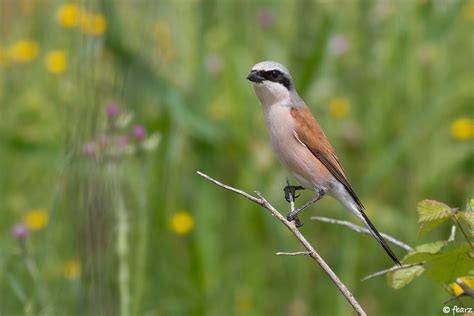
[271, 93]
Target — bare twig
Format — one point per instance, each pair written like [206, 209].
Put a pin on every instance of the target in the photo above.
[291, 226]
[394, 268]
[467, 290]
[361, 229]
[227, 187]
[452, 235]
[452, 298]
[298, 253]
[468, 240]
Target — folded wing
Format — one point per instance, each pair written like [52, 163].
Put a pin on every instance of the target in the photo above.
[310, 134]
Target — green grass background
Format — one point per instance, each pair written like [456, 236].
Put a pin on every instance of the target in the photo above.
[408, 74]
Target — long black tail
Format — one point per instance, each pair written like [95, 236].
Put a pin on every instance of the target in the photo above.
[379, 237]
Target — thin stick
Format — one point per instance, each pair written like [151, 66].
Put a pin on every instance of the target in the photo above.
[298, 253]
[456, 220]
[362, 230]
[291, 226]
[394, 268]
[227, 187]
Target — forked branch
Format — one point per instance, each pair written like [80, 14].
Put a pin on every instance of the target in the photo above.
[362, 230]
[260, 200]
[394, 268]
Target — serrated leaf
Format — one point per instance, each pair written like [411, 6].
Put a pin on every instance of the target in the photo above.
[451, 262]
[402, 277]
[468, 217]
[432, 214]
[424, 252]
[430, 210]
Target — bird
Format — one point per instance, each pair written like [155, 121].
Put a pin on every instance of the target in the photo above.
[301, 145]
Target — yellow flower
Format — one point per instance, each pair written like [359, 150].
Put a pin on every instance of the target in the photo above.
[468, 11]
[182, 223]
[68, 15]
[24, 51]
[72, 269]
[458, 290]
[166, 44]
[55, 61]
[339, 107]
[36, 219]
[462, 129]
[93, 24]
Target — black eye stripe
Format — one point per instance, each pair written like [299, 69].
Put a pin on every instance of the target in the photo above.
[275, 75]
[271, 75]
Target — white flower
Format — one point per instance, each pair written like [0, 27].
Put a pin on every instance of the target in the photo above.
[151, 142]
[124, 119]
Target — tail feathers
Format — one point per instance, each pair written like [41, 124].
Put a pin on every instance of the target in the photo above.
[377, 236]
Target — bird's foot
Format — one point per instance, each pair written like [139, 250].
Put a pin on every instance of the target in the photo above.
[291, 190]
[293, 217]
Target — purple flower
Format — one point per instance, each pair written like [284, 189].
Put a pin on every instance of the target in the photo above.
[20, 231]
[265, 17]
[123, 141]
[113, 111]
[338, 45]
[139, 132]
[89, 149]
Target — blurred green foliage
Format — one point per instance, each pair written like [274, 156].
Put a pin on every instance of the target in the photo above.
[390, 82]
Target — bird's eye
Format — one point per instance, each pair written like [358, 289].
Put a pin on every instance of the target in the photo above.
[274, 74]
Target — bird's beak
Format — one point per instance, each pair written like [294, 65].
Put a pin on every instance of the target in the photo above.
[254, 77]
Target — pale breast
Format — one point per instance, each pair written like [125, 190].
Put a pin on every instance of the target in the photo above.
[294, 155]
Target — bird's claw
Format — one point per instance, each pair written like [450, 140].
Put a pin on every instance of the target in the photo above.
[293, 217]
[291, 190]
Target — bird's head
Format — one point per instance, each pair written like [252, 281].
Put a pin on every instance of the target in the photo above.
[272, 82]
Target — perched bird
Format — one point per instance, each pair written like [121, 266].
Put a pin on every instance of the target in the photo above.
[301, 145]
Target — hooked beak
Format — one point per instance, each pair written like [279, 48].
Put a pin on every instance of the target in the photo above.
[254, 77]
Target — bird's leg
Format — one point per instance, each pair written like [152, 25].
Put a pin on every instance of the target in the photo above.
[291, 189]
[293, 215]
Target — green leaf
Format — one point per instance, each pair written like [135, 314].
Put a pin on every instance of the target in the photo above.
[430, 210]
[432, 247]
[424, 252]
[471, 204]
[453, 261]
[402, 277]
[431, 214]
